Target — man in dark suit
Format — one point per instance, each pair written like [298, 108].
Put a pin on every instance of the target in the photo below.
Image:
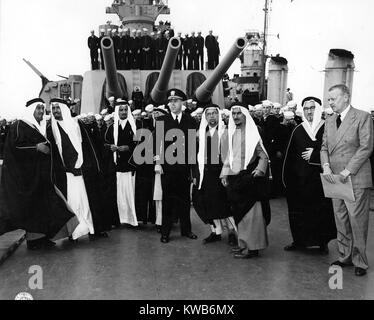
[345, 152]
[210, 44]
[3, 134]
[175, 160]
[193, 58]
[185, 48]
[200, 49]
[93, 44]
[117, 48]
[102, 35]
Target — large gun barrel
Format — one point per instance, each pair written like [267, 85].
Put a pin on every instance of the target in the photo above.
[205, 91]
[158, 94]
[113, 88]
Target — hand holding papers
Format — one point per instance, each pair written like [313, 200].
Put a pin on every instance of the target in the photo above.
[339, 189]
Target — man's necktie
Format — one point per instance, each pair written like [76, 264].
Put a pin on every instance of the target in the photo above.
[176, 120]
[338, 121]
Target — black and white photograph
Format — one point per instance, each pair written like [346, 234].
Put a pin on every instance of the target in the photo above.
[186, 156]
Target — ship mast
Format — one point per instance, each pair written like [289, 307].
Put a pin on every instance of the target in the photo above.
[264, 51]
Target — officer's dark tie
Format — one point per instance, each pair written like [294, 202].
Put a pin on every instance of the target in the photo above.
[176, 120]
[338, 121]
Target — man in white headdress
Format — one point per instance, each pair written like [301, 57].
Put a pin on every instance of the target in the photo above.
[209, 196]
[292, 106]
[119, 139]
[77, 171]
[29, 199]
[245, 174]
[311, 215]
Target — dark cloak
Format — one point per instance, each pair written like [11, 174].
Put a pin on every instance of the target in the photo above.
[28, 198]
[311, 214]
[210, 202]
[92, 176]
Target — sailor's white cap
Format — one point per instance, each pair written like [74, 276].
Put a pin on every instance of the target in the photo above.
[90, 114]
[189, 101]
[98, 117]
[107, 117]
[149, 108]
[144, 114]
[136, 112]
[267, 103]
[145, 29]
[83, 115]
[226, 112]
[104, 112]
[111, 99]
[292, 104]
[251, 108]
[130, 101]
[277, 105]
[288, 115]
[199, 110]
[258, 107]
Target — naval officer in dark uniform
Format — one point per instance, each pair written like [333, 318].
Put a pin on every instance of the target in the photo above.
[176, 178]
[93, 44]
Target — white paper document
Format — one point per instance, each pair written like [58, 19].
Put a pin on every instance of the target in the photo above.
[338, 190]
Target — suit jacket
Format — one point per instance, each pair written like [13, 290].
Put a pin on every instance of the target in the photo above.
[186, 123]
[350, 146]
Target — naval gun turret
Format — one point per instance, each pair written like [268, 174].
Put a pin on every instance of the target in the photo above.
[203, 85]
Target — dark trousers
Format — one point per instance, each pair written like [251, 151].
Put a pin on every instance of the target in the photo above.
[201, 57]
[176, 201]
[94, 60]
[178, 63]
[211, 59]
[185, 61]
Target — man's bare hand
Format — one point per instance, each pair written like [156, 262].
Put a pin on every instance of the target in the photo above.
[123, 148]
[224, 182]
[43, 148]
[307, 154]
[328, 175]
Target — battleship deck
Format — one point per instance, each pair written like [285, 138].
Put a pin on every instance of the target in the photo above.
[133, 264]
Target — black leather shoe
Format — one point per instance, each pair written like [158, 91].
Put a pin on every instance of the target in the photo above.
[165, 239]
[341, 264]
[72, 240]
[48, 243]
[250, 254]
[359, 272]
[232, 240]
[190, 235]
[212, 238]
[292, 247]
[34, 245]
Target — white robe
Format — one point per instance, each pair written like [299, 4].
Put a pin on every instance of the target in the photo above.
[126, 198]
[78, 201]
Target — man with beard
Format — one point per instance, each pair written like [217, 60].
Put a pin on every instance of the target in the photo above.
[77, 171]
[29, 200]
[176, 180]
[210, 199]
[245, 174]
[311, 214]
[120, 145]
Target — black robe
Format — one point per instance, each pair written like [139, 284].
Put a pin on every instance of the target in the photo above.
[110, 169]
[311, 214]
[210, 202]
[92, 176]
[28, 198]
[144, 181]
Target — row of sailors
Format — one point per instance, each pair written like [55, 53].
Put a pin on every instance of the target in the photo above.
[140, 50]
[230, 184]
